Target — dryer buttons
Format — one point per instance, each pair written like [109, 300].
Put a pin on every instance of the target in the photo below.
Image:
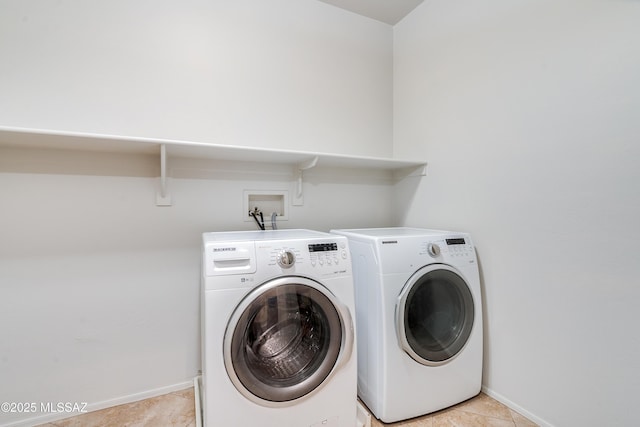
[433, 249]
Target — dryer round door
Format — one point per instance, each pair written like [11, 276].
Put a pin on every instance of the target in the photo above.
[285, 340]
[434, 314]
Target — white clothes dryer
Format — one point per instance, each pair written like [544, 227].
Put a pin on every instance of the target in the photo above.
[278, 339]
[419, 319]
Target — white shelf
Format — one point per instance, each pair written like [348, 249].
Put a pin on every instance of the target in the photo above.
[38, 138]
[300, 160]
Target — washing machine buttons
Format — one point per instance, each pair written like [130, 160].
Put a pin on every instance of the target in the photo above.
[327, 259]
[286, 259]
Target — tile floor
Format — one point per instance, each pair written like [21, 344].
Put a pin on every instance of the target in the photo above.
[177, 409]
[481, 411]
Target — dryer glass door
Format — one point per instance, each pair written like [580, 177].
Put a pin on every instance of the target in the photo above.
[285, 339]
[435, 314]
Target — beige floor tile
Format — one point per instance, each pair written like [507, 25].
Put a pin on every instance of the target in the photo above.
[485, 406]
[522, 421]
[93, 419]
[480, 411]
[187, 393]
[417, 422]
[425, 421]
[459, 418]
[177, 409]
[166, 410]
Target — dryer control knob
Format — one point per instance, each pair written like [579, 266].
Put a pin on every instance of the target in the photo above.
[434, 250]
[286, 259]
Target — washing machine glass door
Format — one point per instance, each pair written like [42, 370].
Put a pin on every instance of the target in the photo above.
[285, 339]
[434, 314]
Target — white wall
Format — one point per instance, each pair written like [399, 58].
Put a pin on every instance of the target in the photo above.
[528, 114]
[296, 74]
[100, 288]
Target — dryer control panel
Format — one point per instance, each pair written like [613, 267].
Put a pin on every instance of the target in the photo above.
[458, 247]
[454, 247]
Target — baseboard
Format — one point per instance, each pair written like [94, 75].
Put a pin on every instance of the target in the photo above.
[96, 406]
[197, 395]
[363, 416]
[500, 398]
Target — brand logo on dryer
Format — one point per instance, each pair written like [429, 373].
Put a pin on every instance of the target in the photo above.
[229, 249]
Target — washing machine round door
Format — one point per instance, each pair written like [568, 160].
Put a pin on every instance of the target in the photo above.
[434, 314]
[285, 339]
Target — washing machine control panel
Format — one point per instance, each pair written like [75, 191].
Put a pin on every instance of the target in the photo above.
[327, 254]
[325, 257]
[286, 259]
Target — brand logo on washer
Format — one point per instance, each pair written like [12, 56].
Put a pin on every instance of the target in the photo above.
[224, 249]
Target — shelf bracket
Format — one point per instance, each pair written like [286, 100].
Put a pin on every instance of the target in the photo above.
[298, 196]
[162, 197]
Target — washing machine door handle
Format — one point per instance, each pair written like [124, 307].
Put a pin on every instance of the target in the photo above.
[348, 334]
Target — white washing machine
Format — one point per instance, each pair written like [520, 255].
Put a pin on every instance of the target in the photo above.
[278, 338]
[419, 319]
